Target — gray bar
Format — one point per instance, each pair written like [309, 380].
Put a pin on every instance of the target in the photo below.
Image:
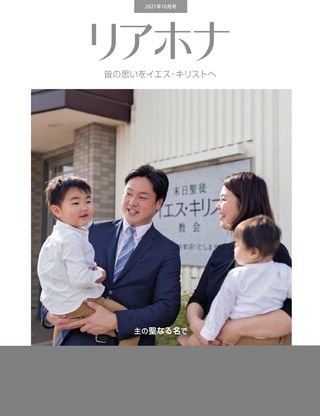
[160, 6]
[239, 381]
[93, 34]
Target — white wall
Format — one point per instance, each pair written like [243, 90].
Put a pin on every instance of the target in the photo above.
[170, 127]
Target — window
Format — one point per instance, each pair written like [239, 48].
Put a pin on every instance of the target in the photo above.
[58, 165]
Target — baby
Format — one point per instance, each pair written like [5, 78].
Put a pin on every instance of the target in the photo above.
[258, 287]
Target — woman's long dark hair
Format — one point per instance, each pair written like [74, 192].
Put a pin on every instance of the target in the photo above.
[252, 193]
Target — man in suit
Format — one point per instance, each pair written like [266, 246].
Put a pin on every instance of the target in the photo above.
[142, 265]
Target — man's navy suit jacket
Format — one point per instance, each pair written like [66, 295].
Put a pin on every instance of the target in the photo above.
[148, 286]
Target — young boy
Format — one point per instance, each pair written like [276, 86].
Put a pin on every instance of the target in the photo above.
[68, 275]
[258, 287]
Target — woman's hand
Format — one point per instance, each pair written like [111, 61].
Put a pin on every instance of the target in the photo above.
[195, 314]
[230, 332]
[270, 325]
[196, 325]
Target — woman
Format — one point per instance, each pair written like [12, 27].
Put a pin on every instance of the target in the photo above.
[243, 195]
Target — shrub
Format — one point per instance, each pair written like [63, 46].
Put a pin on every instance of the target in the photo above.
[180, 323]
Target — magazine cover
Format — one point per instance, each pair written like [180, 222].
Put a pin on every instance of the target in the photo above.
[155, 157]
[164, 84]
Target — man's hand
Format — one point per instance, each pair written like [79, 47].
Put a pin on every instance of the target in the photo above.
[59, 321]
[101, 322]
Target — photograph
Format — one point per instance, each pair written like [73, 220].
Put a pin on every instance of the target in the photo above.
[198, 174]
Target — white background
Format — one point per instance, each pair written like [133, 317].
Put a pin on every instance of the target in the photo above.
[272, 44]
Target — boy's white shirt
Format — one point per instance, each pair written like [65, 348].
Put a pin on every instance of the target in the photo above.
[65, 269]
[250, 290]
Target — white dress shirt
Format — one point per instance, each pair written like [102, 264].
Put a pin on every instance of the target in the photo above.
[137, 235]
[65, 269]
[250, 290]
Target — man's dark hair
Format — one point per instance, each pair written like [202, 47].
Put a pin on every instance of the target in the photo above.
[158, 179]
[252, 194]
[259, 232]
[59, 185]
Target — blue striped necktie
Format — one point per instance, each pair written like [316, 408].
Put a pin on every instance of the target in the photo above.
[125, 253]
